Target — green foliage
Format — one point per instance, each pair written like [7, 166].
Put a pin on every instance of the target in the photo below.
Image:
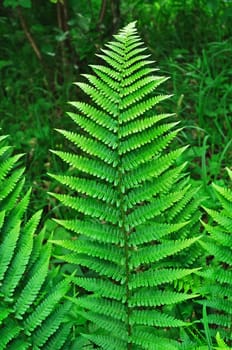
[184, 24]
[192, 42]
[135, 213]
[15, 3]
[206, 108]
[34, 91]
[32, 305]
[217, 284]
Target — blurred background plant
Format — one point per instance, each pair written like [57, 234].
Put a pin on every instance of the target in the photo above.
[45, 47]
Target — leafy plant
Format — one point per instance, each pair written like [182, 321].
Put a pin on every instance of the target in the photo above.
[218, 275]
[32, 306]
[135, 216]
[202, 91]
[16, 3]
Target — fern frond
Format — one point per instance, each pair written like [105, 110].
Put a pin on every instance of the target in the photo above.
[7, 165]
[10, 183]
[24, 266]
[51, 325]
[135, 214]
[7, 249]
[9, 332]
[101, 85]
[154, 208]
[59, 338]
[21, 258]
[217, 280]
[221, 218]
[43, 310]
[219, 275]
[32, 287]
[140, 108]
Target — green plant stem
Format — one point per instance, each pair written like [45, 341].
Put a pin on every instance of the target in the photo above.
[124, 231]
[35, 48]
[206, 327]
[203, 162]
[102, 12]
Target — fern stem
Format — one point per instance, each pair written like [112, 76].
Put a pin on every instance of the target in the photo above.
[125, 232]
[128, 309]
[127, 268]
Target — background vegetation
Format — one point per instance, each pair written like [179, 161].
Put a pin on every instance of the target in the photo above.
[45, 48]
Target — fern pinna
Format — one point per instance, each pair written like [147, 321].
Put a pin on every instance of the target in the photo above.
[217, 277]
[132, 205]
[32, 307]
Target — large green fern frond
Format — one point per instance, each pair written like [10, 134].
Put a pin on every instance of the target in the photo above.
[135, 216]
[31, 313]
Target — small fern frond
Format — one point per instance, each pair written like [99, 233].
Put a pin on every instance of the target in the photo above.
[217, 280]
[45, 308]
[32, 287]
[21, 258]
[51, 325]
